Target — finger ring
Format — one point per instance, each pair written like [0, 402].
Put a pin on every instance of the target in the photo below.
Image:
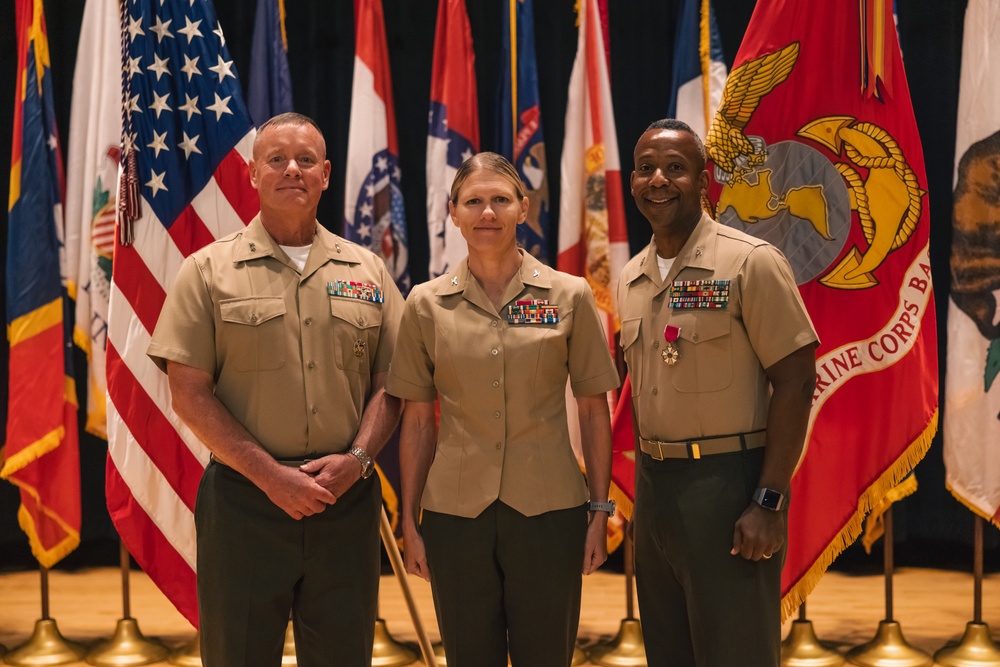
[767, 555]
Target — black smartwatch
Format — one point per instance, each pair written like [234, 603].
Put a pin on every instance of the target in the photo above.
[770, 499]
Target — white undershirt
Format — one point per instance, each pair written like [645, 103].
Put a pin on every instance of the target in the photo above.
[664, 265]
[297, 253]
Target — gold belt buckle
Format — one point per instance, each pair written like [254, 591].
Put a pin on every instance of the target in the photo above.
[659, 450]
[695, 450]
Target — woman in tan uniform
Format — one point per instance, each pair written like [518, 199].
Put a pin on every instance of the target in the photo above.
[506, 529]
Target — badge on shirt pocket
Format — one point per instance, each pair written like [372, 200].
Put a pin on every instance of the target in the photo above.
[533, 311]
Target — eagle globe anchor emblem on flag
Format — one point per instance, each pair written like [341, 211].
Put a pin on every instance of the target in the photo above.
[380, 203]
[769, 190]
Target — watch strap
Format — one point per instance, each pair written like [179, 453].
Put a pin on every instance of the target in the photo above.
[608, 506]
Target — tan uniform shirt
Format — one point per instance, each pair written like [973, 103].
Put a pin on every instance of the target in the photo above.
[291, 362]
[718, 385]
[503, 431]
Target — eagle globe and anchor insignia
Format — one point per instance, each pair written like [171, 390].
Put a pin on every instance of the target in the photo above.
[796, 197]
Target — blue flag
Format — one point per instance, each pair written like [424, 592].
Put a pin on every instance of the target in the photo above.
[269, 91]
[698, 81]
[519, 123]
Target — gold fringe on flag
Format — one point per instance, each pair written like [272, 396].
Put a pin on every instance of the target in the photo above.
[994, 519]
[850, 532]
[874, 526]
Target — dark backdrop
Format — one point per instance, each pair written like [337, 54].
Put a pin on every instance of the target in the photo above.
[931, 527]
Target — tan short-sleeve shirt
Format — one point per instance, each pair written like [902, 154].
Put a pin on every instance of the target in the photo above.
[718, 385]
[292, 353]
[502, 385]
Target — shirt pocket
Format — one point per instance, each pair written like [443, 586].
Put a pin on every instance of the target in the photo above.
[631, 346]
[706, 349]
[356, 327]
[253, 331]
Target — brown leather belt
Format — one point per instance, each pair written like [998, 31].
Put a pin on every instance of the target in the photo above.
[699, 447]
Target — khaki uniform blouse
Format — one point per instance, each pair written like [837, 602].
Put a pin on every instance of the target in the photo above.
[503, 431]
[292, 354]
[718, 385]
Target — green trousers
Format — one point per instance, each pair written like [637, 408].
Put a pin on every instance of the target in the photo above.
[504, 582]
[256, 565]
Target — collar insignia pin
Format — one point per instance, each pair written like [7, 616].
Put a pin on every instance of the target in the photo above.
[253, 248]
[337, 246]
[535, 274]
[454, 281]
[697, 252]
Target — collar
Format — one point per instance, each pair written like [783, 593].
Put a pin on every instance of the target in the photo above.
[256, 243]
[698, 252]
[532, 272]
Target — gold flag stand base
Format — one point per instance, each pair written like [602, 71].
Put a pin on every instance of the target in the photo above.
[802, 649]
[888, 649]
[579, 657]
[188, 655]
[976, 649]
[625, 650]
[46, 647]
[127, 647]
[387, 652]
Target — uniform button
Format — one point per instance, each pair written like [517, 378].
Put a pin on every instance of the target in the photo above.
[496, 415]
[655, 391]
[361, 321]
[494, 352]
[656, 344]
[658, 297]
[308, 321]
[496, 383]
[499, 446]
[312, 364]
[494, 323]
[694, 337]
[315, 409]
[253, 318]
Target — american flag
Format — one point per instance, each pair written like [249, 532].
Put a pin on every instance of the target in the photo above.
[193, 137]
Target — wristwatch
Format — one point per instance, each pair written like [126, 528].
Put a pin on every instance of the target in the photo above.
[770, 499]
[608, 507]
[367, 465]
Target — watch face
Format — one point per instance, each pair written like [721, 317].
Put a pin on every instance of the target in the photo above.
[769, 499]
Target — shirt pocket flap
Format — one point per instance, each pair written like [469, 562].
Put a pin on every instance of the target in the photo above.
[703, 328]
[252, 311]
[359, 314]
[630, 332]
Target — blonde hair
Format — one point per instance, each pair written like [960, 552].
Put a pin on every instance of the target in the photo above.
[491, 162]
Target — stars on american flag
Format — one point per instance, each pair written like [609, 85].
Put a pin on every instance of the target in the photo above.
[185, 103]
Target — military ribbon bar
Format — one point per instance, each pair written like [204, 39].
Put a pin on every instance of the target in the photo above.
[699, 294]
[350, 289]
[533, 311]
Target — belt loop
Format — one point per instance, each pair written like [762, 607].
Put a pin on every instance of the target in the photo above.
[694, 450]
[743, 442]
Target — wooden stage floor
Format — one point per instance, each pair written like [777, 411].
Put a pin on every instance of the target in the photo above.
[932, 606]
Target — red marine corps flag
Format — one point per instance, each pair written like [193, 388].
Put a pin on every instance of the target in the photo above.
[815, 149]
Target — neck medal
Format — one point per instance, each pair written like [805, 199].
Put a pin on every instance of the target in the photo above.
[670, 353]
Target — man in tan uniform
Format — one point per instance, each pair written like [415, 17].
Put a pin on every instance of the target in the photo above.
[277, 340]
[712, 323]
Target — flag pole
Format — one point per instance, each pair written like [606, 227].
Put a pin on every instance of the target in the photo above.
[46, 645]
[626, 649]
[127, 646]
[976, 646]
[389, 540]
[888, 647]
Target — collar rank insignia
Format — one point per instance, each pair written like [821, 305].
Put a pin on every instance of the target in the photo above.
[699, 294]
[350, 289]
[533, 311]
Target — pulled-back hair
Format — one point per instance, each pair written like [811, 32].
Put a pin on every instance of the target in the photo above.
[491, 162]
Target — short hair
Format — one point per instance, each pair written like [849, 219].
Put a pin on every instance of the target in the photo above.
[290, 118]
[680, 126]
[490, 162]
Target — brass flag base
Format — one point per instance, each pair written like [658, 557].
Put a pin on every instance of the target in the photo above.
[888, 649]
[579, 657]
[801, 648]
[188, 655]
[46, 647]
[976, 649]
[625, 650]
[439, 654]
[127, 647]
[387, 652]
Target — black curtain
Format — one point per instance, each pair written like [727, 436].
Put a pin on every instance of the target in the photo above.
[931, 526]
